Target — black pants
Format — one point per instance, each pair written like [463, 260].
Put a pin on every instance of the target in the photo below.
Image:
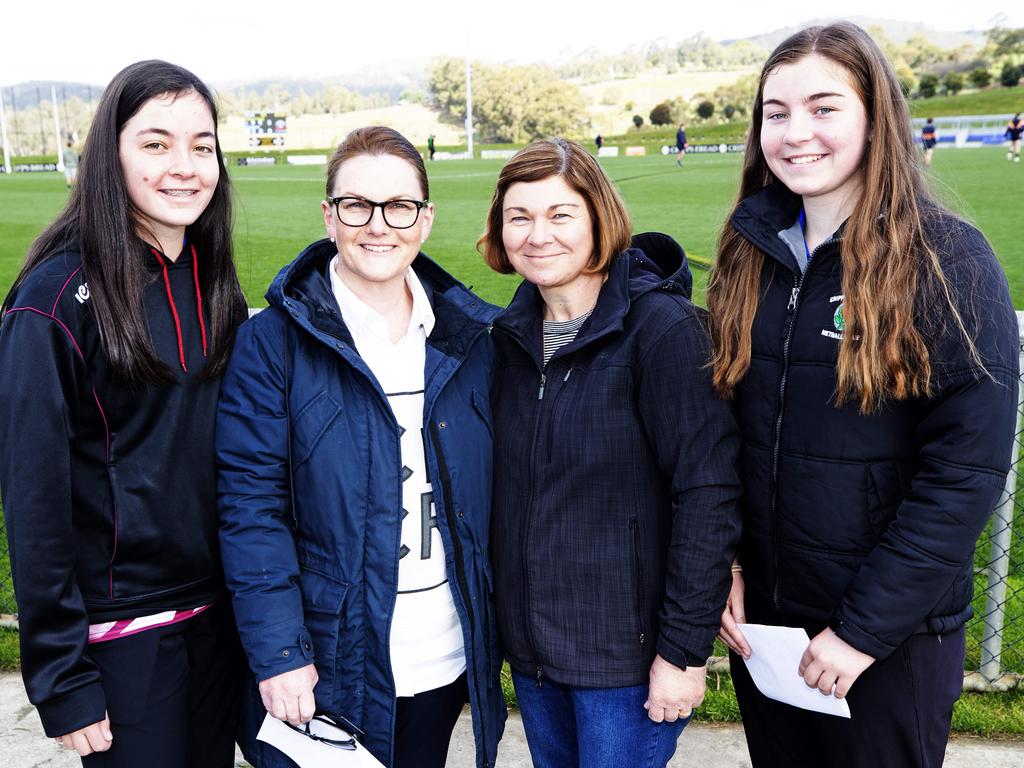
[424, 724]
[172, 694]
[901, 709]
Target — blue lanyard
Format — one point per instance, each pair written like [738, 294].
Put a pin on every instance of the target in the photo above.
[803, 234]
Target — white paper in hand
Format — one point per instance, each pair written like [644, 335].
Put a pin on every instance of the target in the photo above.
[308, 753]
[774, 663]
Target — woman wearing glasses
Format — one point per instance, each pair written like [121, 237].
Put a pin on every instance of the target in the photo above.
[355, 454]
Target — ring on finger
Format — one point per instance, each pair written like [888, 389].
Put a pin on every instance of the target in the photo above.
[685, 713]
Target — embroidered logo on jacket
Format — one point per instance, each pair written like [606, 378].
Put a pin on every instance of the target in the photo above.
[837, 320]
[82, 294]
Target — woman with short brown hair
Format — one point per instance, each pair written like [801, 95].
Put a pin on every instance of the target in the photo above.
[615, 486]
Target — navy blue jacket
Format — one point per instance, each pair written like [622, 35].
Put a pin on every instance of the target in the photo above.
[616, 492]
[88, 468]
[869, 522]
[317, 583]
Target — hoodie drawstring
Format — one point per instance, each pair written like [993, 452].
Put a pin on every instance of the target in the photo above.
[174, 309]
[199, 295]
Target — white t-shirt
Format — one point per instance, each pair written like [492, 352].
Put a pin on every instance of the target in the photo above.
[426, 635]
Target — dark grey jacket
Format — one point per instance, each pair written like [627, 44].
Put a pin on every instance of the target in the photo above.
[615, 494]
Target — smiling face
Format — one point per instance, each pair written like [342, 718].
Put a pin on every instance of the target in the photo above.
[375, 256]
[548, 233]
[169, 161]
[814, 130]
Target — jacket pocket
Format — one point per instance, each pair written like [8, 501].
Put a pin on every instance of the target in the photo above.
[638, 579]
[310, 423]
[482, 405]
[886, 490]
[323, 599]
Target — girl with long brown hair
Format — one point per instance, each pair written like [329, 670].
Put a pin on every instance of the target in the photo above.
[866, 338]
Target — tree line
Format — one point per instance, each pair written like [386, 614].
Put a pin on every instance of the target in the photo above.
[515, 104]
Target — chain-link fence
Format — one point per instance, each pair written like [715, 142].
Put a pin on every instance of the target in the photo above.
[995, 640]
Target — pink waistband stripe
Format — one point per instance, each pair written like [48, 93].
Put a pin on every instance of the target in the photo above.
[112, 630]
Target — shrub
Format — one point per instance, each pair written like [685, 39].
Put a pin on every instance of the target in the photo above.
[928, 85]
[661, 114]
[1010, 75]
[980, 77]
[953, 82]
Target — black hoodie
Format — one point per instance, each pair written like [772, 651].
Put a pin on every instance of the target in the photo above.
[109, 492]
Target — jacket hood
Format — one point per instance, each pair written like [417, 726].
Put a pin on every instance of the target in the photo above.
[302, 290]
[761, 216]
[662, 262]
[654, 261]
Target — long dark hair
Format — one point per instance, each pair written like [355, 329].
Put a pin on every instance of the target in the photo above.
[887, 269]
[102, 222]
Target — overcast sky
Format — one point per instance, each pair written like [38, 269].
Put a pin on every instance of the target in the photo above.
[223, 40]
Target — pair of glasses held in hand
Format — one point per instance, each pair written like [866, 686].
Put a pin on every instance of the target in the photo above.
[330, 729]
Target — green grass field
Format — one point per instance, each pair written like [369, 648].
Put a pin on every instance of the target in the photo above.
[278, 213]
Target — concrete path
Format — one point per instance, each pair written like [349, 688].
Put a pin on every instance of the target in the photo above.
[702, 746]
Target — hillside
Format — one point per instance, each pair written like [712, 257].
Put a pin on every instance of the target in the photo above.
[607, 101]
[897, 31]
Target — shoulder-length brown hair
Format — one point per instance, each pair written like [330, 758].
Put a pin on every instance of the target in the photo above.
[581, 171]
[887, 262]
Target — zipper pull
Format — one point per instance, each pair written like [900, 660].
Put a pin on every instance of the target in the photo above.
[540, 674]
[792, 297]
[567, 375]
[540, 392]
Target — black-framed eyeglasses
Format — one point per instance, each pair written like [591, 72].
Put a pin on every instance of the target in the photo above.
[330, 729]
[357, 211]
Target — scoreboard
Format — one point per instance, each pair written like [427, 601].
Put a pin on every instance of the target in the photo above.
[266, 129]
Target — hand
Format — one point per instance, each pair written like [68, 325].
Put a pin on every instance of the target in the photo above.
[674, 692]
[732, 615]
[830, 664]
[93, 738]
[289, 696]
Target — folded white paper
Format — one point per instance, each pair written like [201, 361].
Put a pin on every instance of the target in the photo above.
[774, 664]
[309, 753]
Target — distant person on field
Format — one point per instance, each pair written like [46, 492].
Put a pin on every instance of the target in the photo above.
[928, 140]
[431, 149]
[599, 141]
[681, 145]
[1014, 129]
[70, 158]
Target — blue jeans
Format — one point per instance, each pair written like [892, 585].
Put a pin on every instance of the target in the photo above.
[569, 727]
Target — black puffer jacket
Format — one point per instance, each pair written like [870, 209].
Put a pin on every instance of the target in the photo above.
[868, 522]
[615, 494]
